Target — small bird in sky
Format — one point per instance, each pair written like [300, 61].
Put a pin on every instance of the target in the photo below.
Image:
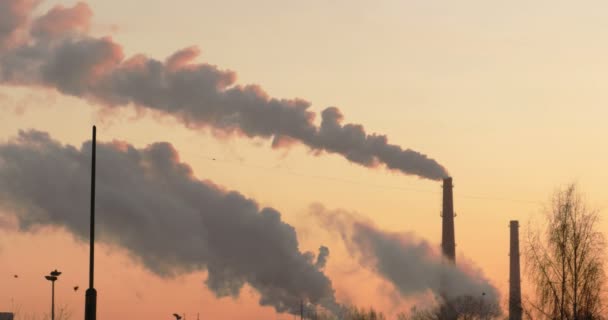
[177, 316]
[76, 288]
[16, 276]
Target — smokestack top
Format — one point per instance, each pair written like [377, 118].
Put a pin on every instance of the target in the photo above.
[514, 223]
[447, 181]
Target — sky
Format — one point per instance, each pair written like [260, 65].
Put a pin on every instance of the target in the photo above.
[508, 97]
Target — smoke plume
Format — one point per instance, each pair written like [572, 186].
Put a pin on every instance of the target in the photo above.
[58, 53]
[322, 257]
[151, 204]
[411, 264]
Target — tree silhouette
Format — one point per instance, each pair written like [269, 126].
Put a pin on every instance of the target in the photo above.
[565, 262]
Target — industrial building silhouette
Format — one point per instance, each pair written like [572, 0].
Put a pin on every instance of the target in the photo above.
[6, 316]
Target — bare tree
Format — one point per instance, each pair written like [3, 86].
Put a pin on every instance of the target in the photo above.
[63, 313]
[351, 313]
[465, 307]
[565, 262]
[420, 314]
[362, 314]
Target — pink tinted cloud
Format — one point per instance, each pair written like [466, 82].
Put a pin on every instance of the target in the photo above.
[14, 16]
[61, 20]
[182, 57]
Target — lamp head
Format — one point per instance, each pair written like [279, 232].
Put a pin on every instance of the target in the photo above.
[51, 278]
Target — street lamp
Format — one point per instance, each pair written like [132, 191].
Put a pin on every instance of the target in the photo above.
[52, 278]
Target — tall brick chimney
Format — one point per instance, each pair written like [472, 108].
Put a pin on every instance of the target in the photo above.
[448, 244]
[515, 309]
[448, 248]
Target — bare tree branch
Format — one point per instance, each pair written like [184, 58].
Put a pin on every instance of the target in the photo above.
[566, 265]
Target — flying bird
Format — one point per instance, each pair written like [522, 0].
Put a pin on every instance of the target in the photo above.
[177, 316]
[16, 276]
[76, 288]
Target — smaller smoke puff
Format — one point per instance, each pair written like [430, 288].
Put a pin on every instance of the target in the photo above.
[151, 204]
[411, 264]
[322, 257]
[60, 54]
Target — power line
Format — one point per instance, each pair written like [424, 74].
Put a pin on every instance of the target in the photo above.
[356, 182]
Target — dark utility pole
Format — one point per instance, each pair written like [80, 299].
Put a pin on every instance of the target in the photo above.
[90, 305]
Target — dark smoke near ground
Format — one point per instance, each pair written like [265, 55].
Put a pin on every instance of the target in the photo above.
[151, 204]
[412, 265]
[55, 51]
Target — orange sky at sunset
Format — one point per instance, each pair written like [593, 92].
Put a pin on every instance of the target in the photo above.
[510, 98]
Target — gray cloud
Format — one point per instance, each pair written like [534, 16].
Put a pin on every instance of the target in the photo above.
[61, 55]
[151, 204]
[411, 264]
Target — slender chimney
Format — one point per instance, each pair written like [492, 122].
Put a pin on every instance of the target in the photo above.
[515, 309]
[448, 248]
[448, 244]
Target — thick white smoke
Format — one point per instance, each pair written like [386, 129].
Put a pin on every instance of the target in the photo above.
[55, 51]
[149, 203]
[411, 264]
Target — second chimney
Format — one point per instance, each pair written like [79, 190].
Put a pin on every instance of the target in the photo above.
[515, 309]
[448, 244]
